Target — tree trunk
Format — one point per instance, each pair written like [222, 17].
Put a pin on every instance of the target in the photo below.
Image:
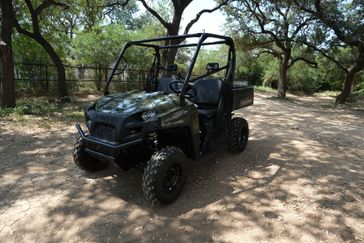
[350, 75]
[173, 30]
[345, 93]
[169, 55]
[62, 85]
[282, 81]
[7, 84]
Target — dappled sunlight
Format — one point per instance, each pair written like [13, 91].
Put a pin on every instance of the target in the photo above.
[298, 180]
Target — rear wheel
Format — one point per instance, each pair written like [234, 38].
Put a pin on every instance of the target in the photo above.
[165, 175]
[239, 135]
[85, 161]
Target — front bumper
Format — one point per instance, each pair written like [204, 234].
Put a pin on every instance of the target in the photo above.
[97, 148]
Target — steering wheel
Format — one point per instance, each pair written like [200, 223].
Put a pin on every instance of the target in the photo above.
[176, 86]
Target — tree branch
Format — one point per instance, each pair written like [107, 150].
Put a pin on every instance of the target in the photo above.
[22, 30]
[35, 12]
[309, 62]
[155, 14]
[47, 3]
[33, 15]
[332, 23]
[254, 43]
[198, 15]
[300, 26]
[107, 8]
[271, 52]
[114, 4]
[29, 5]
[324, 53]
[277, 41]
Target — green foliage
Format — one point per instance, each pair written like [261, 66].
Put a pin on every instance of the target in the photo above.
[325, 77]
[18, 110]
[327, 93]
[302, 78]
[99, 46]
[103, 43]
[121, 15]
[41, 109]
[28, 51]
[30, 107]
[248, 68]
[270, 73]
[359, 88]
[87, 34]
[207, 56]
[264, 89]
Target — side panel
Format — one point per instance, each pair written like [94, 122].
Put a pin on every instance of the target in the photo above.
[187, 117]
[243, 96]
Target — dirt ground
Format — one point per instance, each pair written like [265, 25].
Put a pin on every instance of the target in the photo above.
[301, 179]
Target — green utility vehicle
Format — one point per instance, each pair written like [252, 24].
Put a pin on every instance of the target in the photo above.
[176, 118]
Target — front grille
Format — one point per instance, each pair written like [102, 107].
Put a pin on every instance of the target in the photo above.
[105, 132]
[100, 149]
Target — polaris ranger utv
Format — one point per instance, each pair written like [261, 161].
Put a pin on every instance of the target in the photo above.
[173, 120]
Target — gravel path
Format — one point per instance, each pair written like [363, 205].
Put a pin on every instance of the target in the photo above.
[301, 179]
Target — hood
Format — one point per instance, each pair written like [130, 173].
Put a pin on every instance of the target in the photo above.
[132, 102]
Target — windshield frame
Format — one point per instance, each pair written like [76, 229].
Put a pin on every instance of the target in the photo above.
[201, 42]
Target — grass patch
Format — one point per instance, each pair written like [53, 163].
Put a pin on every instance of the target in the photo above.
[359, 94]
[288, 99]
[265, 89]
[19, 110]
[41, 110]
[327, 94]
[31, 106]
[76, 115]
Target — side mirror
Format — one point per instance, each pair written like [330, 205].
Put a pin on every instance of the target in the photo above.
[213, 66]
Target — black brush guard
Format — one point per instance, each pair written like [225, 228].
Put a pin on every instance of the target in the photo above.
[114, 147]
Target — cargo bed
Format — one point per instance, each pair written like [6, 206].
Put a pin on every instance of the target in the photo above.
[243, 94]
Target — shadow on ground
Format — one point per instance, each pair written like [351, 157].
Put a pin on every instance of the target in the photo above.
[300, 179]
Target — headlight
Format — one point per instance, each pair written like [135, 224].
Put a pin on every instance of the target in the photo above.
[149, 115]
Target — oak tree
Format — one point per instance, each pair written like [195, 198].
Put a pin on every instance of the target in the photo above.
[272, 27]
[7, 83]
[344, 19]
[173, 26]
[34, 31]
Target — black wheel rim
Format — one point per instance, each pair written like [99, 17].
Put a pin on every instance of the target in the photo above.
[172, 178]
[243, 136]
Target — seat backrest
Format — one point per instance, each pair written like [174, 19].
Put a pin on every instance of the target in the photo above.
[163, 85]
[207, 91]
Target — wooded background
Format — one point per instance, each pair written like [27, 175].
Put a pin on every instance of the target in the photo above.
[309, 46]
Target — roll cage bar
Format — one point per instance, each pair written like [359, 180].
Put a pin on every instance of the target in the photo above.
[201, 42]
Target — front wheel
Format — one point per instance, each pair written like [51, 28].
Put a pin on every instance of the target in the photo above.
[85, 161]
[238, 135]
[165, 175]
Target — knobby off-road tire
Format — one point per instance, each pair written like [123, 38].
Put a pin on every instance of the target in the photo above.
[239, 135]
[85, 161]
[165, 175]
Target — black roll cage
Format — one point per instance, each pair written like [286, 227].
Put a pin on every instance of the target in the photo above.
[201, 42]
